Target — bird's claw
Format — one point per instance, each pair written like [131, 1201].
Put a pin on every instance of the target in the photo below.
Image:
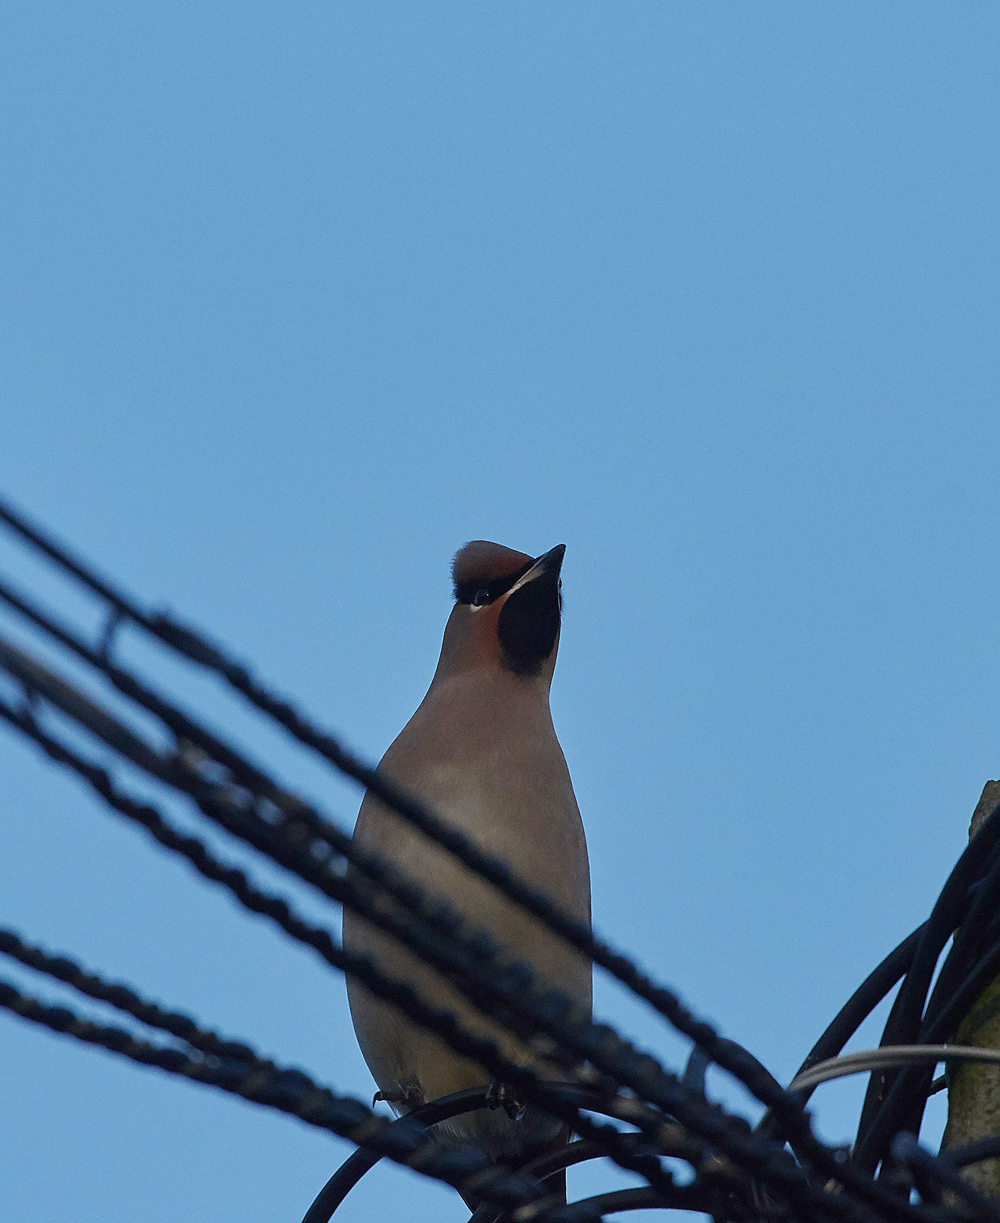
[407, 1098]
[501, 1095]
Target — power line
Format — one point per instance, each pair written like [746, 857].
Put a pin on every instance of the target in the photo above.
[254, 807]
[509, 985]
[237, 1053]
[790, 1118]
[123, 998]
[197, 648]
[400, 994]
[294, 1092]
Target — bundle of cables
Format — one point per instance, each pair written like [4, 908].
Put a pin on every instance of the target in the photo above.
[627, 1106]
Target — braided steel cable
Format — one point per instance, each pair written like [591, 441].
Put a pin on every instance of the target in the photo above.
[620, 1147]
[292, 1091]
[181, 725]
[760, 1158]
[766, 1160]
[793, 1122]
[787, 1110]
[595, 1043]
[123, 998]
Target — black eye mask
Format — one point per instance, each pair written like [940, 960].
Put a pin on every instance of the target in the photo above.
[479, 593]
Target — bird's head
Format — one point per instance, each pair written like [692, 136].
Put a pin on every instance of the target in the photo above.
[507, 610]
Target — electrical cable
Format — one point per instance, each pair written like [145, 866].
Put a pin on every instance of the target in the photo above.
[595, 1040]
[291, 1091]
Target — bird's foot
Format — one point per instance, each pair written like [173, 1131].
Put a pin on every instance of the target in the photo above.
[501, 1095]
[404, 1099]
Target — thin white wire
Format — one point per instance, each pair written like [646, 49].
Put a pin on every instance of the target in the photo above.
[889, 1055]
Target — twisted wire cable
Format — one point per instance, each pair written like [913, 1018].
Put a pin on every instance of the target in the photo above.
[792, 1120]
[292, 1091]
[787, 1110]
[511, 987]
[731, 1135]
[181, 725]
[618, 1146]
[764, 1160]
[123, 998]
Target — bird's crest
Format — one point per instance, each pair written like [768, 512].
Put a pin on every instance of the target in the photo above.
[480, 563]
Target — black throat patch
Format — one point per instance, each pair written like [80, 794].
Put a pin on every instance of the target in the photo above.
[528, 624]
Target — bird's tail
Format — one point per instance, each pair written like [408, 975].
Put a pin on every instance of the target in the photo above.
[485, 1212]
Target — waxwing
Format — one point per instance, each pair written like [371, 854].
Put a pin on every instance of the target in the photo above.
[482, 752]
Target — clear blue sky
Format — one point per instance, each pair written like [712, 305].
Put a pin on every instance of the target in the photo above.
[298, 298]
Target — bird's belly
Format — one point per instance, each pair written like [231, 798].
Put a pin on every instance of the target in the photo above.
[551, 855]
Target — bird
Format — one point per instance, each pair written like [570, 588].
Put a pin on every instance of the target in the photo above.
[481, 751]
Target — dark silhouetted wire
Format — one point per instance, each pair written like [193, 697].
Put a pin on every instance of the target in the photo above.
[911, 1086]
[443, 1023]
[973, 1152]
[908, 1151]
[713, 1179]
[895, 1100]
[511, 985]
[686, 1197]
[123, 998]
[791, 1120]
[363, 1160]
[293, 1092]
[193, 645]
[892, 1101]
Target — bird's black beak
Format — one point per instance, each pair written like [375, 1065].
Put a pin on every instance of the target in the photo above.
[528, 625]
[552, 559]
[547, 565]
